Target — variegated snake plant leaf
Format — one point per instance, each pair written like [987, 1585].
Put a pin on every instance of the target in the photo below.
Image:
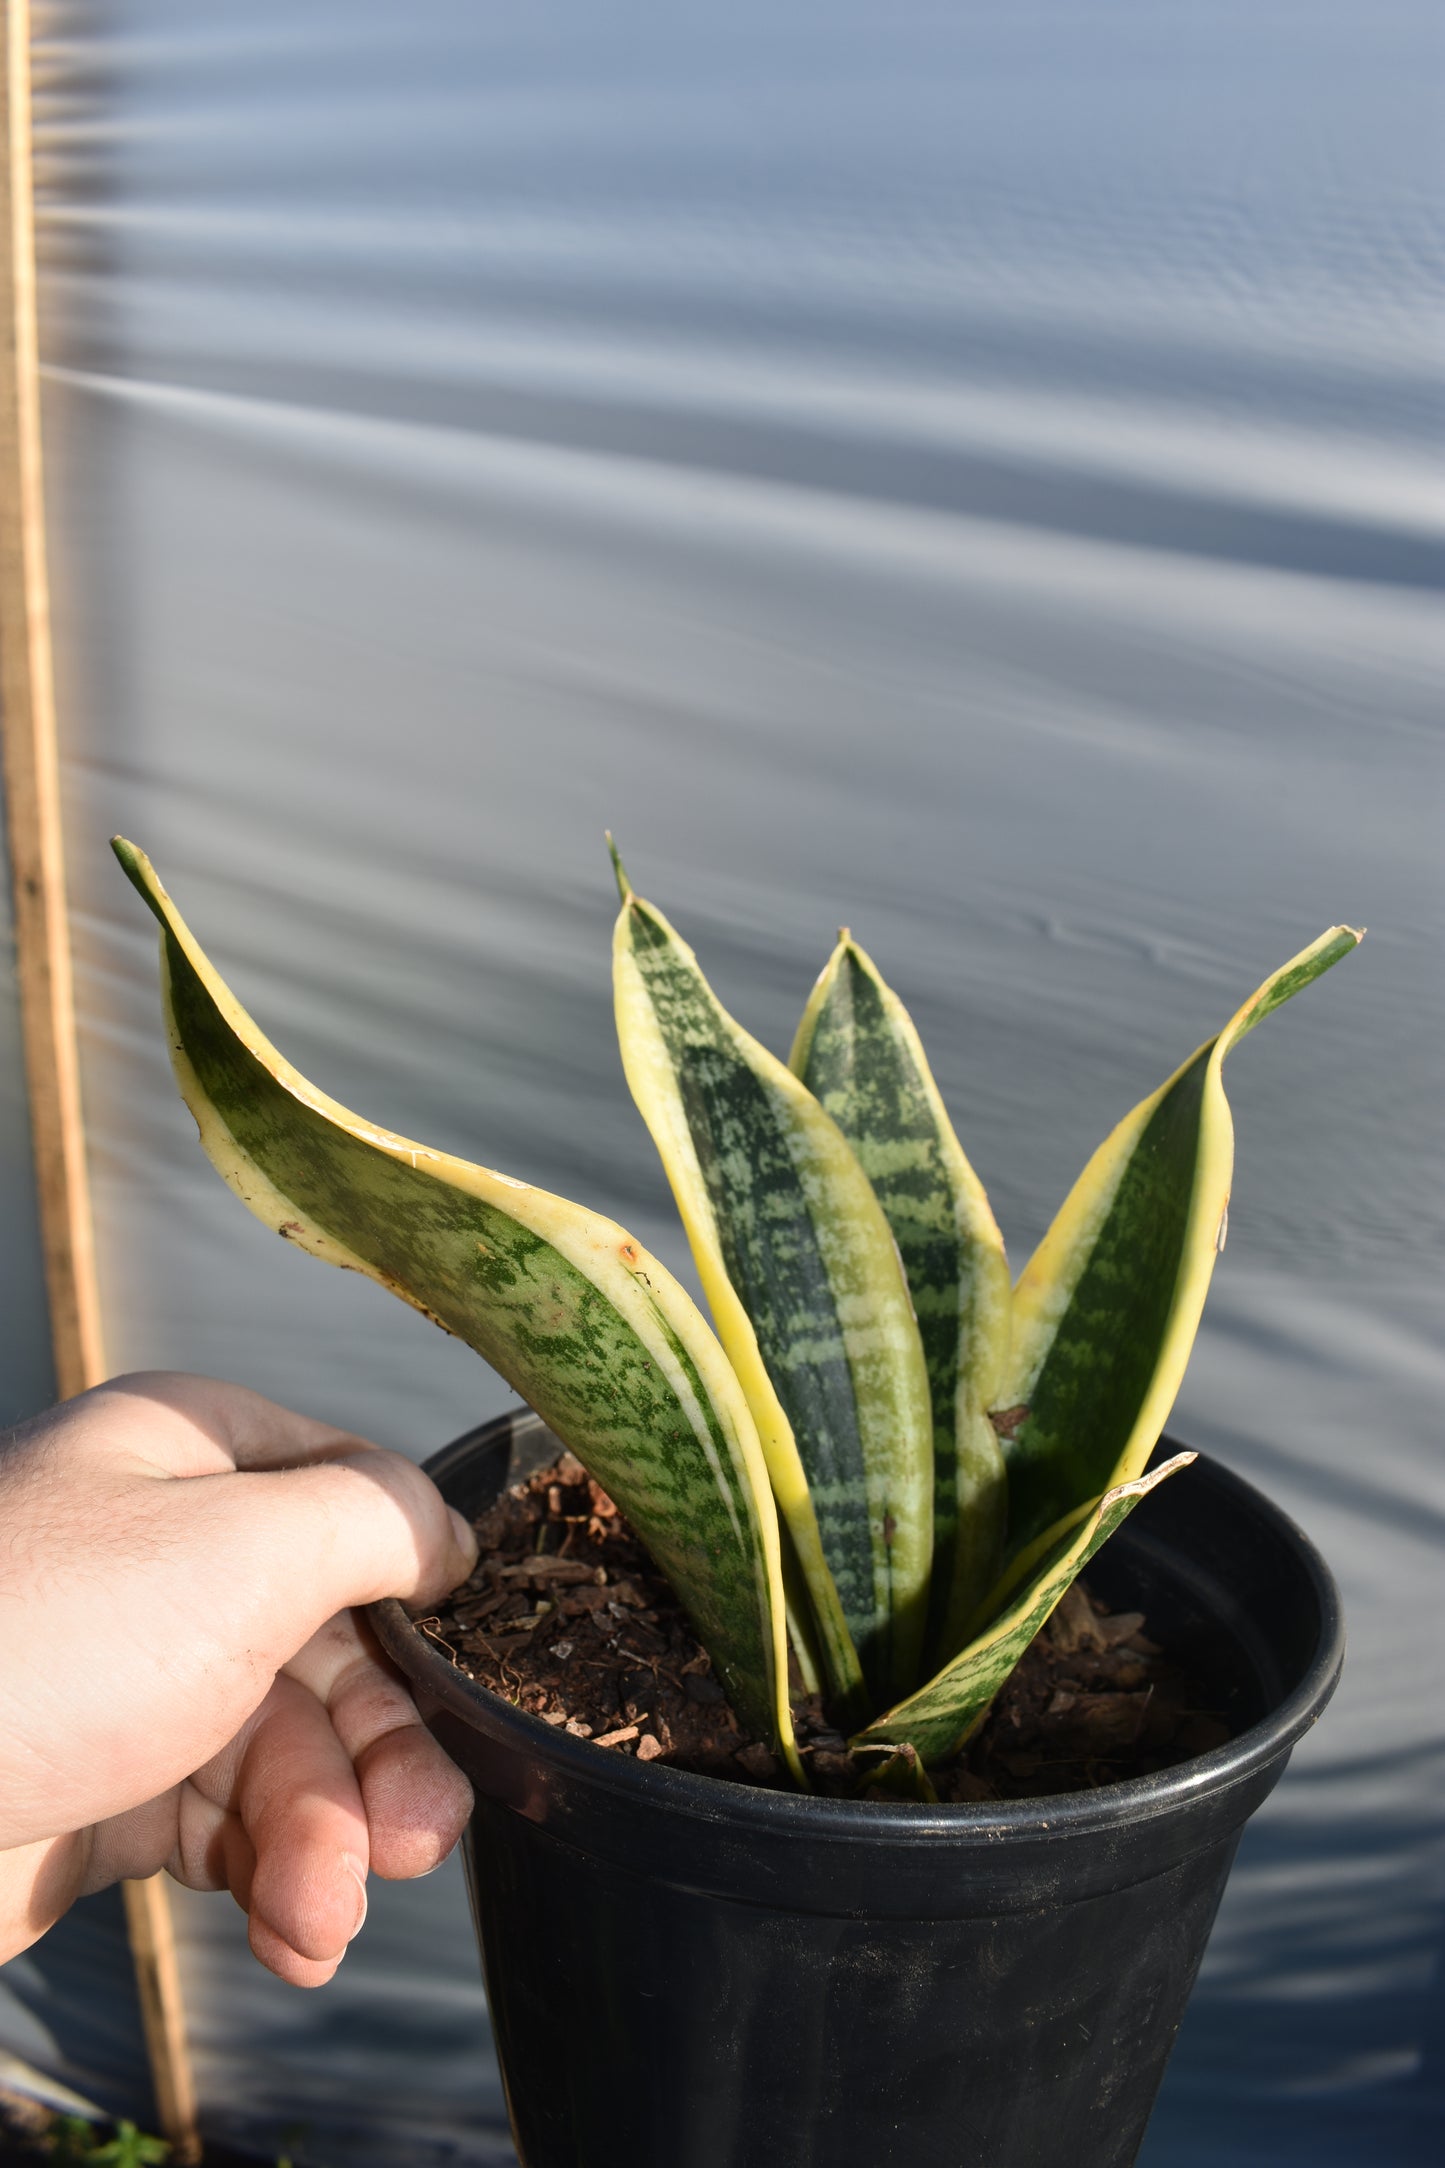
[807, 1292]
[570, 1308]
[1107, 1308]
[858, 1052]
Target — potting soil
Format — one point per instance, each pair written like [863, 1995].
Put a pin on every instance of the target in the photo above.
[567, 1617]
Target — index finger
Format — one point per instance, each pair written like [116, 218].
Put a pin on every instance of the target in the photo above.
[417, 1800]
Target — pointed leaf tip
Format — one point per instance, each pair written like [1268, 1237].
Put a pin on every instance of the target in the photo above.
[624, 886]
[141, 874]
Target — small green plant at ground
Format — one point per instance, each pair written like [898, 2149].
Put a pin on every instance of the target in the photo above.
[885, 1452]
[72, 2139]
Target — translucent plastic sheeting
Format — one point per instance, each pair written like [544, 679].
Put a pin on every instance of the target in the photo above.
[962, 471]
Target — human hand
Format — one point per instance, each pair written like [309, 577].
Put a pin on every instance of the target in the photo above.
[183, 1680]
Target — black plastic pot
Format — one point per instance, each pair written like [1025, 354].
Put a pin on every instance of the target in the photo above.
[689, 1974]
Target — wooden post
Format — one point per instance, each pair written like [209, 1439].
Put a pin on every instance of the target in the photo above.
[42, 939]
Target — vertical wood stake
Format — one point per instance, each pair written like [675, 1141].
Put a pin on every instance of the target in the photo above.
[42, 940]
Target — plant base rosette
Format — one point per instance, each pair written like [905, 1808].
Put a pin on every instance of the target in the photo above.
[567, 1617]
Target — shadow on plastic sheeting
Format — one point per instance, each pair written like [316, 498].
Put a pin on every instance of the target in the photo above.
[390, 2063]
[69, 2007]
[883, 468]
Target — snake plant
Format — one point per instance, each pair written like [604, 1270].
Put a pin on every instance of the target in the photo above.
[885, 1453]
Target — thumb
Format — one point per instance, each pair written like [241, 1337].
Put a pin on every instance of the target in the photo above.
[302, 1543]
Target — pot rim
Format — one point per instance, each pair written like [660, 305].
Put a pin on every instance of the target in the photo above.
[746, 1807]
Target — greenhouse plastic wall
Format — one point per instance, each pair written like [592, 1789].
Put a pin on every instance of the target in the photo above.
[962, 470]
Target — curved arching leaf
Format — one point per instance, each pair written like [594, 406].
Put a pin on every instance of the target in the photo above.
[808, 1295]
[574, 1313]
[1106, 1310]
[859, 1053]
[937, 1720]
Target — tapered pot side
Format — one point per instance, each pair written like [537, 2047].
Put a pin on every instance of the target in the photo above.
[684, 1973]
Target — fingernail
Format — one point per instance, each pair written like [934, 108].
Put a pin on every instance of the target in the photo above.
[438, 1866]
[466, 1535]
[354, 1867]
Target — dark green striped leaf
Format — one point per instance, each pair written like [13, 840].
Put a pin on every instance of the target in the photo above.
[937, 1720]
[573, 1312]
[1106, 1311]
[858, 1052]
[808, 1296]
